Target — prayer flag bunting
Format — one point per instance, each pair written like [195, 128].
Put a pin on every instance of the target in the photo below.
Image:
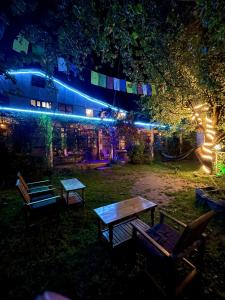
[62, 67]
[38, 50]
[102, 80]
[144, 88]
[20, 44]
[149, 89]
[129, 87]
[94, 77]
[153, 90]
[139, 88]
[110, 82]
[134, 88]
[74, 70]
[116, 84]
[123, 85]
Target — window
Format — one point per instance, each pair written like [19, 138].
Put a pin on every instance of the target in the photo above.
[89, 112]
[121, 115]
[38, 81]
[66, 108]
[38, 103]
[33, 102]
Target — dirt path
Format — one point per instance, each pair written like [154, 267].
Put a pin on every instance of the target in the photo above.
[158, 187]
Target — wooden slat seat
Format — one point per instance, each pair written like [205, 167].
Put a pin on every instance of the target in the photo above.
[122, 232]
[34, 203]
[36, 187]
[166, 247]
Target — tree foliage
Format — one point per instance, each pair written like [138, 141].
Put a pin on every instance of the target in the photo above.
[178, 45]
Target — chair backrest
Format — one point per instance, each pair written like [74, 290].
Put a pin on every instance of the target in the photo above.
[193, 232]
[23, 191]
[19, 175]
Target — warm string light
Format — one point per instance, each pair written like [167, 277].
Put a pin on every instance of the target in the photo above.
[206, 169]
[206, 153]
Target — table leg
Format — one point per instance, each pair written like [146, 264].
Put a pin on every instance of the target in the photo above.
[153, 216]
[111, 235]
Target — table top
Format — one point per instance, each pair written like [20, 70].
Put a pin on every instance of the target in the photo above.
[72, 184]
[117, 211]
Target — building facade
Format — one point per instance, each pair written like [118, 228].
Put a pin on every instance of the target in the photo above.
[83, 127]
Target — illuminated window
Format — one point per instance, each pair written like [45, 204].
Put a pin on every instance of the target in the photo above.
[66, 108]
[33, 102]
[121, 115]
[44, 104]
[89, 112]
[122, 143]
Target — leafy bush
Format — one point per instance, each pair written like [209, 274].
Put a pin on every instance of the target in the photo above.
[136, 154]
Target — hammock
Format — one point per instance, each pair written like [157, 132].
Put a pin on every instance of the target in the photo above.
[177, 157]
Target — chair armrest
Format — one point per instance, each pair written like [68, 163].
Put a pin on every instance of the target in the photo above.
[40, 192]
[150, 240]
[162, 214]
[43, 200]
[38, 182]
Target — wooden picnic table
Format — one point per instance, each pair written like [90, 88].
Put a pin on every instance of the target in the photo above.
[116, 219]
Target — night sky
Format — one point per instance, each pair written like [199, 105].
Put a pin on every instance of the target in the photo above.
[120, 99]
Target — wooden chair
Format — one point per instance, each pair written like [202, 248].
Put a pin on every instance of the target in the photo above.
[165, 250]
[34, 203]
[35, 187]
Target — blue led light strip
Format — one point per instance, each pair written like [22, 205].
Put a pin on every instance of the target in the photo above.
[41, 74]
[76, 117]
[54, 114]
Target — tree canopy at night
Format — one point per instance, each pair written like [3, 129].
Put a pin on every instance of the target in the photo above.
[178, 45]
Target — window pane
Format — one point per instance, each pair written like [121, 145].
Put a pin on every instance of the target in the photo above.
[89, 112]
[33, 102]
[43, 104]
[39, 103]
[48, 105]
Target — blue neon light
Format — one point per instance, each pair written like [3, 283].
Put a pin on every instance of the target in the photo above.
[48, 113]
[41, 74]
[73, 116]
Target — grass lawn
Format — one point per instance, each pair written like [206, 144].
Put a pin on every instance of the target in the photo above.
[64, 255]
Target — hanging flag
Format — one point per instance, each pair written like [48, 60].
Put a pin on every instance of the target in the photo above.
[20, 44]
[149, 89]
[134, 88]
[109, 82]
[102, 80]
[139, 89]
[129, 87]
[62, 67]
[74, 69]
[144, 88]
[116, 85]
[94, 77]
[38, 50]
[153, 90]
[122, 85]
